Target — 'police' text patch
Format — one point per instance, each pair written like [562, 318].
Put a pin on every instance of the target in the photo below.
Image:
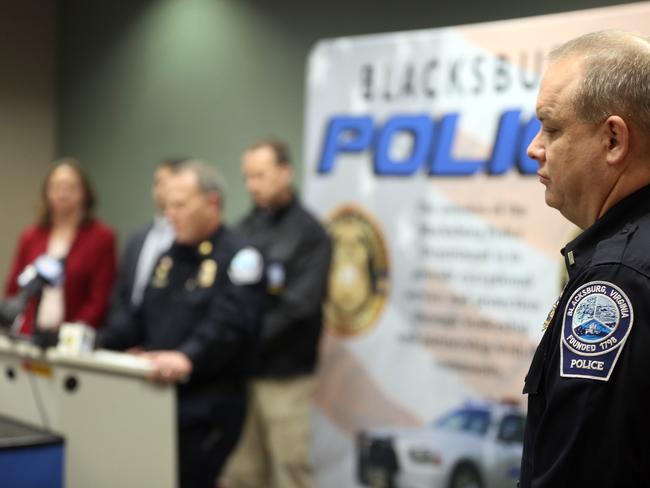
[597, 320]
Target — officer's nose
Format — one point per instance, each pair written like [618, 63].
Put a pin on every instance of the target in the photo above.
[536, 150]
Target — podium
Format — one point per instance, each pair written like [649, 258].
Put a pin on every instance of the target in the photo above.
[119, 428]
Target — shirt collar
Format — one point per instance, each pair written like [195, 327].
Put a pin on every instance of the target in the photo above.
[277, 212]
[194, 252]
[579, 252]
[160, 221]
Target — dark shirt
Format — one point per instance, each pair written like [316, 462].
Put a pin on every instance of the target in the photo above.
[589, 384]
[203, 302]
[121, 303]
[297, 253]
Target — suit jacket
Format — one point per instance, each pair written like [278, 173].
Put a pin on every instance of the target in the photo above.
[121, 298]
[90, 270]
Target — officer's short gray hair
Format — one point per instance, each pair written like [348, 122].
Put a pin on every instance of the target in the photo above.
[207, 177]
[615, 77]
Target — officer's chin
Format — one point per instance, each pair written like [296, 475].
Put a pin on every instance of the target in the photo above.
[550, 199]
[260, 199]
[184, 240]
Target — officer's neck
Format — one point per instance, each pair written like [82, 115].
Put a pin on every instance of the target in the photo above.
[283, 199]
[635, 177]
[207, 232]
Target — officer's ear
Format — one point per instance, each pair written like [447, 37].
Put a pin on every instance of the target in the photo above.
[618, 140]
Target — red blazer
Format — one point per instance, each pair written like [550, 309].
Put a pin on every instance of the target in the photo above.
[90, 271]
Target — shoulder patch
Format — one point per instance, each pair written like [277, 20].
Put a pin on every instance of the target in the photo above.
[597, 321]
[246, 267]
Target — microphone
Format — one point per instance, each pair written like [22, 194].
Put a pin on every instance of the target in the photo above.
[44, 271]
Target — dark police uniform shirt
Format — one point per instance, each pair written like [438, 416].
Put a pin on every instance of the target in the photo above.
[204, 301]
[297, 253]
[588, 385]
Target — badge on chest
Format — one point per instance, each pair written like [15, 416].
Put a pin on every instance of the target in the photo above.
[207, 273]
[160, 277]
[597, 321]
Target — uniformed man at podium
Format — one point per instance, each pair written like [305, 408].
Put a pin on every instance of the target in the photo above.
[197, 321]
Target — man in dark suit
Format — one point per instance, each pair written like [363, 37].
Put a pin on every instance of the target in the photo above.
[144, 247]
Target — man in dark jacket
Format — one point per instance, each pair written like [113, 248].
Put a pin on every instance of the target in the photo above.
[144, 247]
[275, 446]
[588, 385]
[197, 322]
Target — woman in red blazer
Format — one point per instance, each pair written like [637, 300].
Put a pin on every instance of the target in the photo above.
[66, 229]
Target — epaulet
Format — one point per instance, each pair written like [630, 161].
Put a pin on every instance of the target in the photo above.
[612, 250]
[636, 252]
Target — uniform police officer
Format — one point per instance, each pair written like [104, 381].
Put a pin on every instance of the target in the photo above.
[589, 383]
[197, 320]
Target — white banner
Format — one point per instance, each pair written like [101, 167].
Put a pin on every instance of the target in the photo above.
[446, 257]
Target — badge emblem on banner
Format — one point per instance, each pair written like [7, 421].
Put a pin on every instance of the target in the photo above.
[359, 275]
[597, 320]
